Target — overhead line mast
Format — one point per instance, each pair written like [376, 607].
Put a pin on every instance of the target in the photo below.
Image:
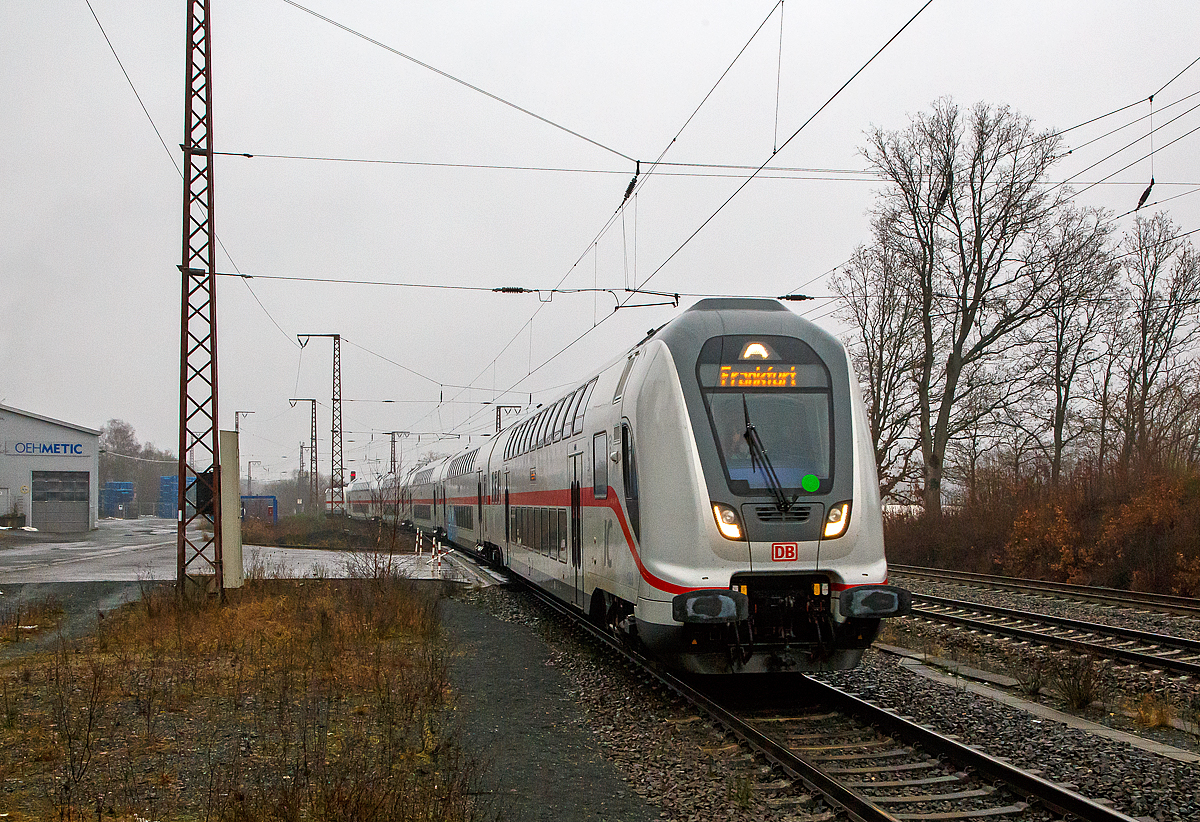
[199, 556]
[337, 490]
[313, 477]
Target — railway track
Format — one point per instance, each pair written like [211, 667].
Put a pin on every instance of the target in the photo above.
[1141, 648]
[1165, 603]
[867, 763]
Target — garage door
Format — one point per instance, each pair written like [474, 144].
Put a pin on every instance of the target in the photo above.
[60, 501]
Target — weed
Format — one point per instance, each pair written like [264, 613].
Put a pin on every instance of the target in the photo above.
[78, 704]
[1080, 681]
[1152, 711]
[1031, 674]
[294, 700]
[740, 790]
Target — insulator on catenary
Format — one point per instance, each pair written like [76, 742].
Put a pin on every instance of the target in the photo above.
[513, 289]
[795, 298]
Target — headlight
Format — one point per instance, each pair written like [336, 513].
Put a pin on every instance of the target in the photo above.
[837, 520]
[728, 521]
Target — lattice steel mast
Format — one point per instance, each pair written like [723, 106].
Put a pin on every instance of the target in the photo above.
[199, 554]
[314, 488]
[337, 491]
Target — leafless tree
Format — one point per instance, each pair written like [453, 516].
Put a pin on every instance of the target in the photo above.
[1082, 291]
[882, 348]
[966, 208]
[1163, 278]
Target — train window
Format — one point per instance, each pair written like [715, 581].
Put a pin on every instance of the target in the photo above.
[568, 417]
[560, 411]
[781, 387]
[600, 465]
[585, 396]
[518, 440]
[527, 437]
[624, 376]
[543, 530]
[552, 540]
[562, 534]
[552, 423]
[544, 438]
[539, 425]
[629, 479]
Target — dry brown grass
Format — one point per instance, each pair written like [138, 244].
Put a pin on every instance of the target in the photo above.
[295, 700]
[318, 531]
[1152, 711]
[18, 622]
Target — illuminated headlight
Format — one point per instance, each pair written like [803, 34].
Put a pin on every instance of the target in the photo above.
[837, 520]
[728, 521]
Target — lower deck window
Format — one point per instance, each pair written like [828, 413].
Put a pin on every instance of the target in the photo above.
[543, 530]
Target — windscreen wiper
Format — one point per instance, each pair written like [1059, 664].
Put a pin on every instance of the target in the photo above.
[758, 457]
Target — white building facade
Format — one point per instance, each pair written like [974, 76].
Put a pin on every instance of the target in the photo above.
[49, 471]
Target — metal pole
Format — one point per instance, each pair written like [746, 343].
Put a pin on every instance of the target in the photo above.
[250, 475]
[337, 495]
[313, 477]
[300, 473]
[199, 555]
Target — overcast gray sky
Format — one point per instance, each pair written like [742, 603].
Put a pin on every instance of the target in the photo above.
[90, 202]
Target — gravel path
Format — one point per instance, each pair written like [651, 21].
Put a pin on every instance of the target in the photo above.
[676, 762]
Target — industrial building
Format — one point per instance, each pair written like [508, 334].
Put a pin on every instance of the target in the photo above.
[49, 472]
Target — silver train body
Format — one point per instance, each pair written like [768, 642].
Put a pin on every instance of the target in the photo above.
[711, 493]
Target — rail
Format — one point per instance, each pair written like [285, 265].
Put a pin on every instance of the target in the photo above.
[1166, 603]
[847, 796]
[1153, 654]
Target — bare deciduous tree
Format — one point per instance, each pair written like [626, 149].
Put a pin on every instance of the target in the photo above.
[965, 208]
[1082, 291]
[882, 349]
[1163, 273]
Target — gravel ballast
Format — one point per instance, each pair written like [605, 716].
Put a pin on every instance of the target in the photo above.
[689, 771]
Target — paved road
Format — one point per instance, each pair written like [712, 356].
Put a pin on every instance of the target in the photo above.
[144, 549]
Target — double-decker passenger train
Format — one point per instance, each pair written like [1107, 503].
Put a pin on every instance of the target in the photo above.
[711, 494]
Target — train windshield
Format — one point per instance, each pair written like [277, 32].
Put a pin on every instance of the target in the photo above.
[770, 407]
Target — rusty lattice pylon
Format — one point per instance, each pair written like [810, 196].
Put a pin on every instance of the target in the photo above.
[199, 550]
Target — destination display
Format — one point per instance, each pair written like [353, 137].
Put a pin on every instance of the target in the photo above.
[757, 376]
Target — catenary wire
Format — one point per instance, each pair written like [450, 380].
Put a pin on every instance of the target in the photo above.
[739, 189]
[129, 80]
[458, 80]
[796, 133]
[619, 211]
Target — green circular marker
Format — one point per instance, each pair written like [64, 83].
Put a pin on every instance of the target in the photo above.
[810, 483]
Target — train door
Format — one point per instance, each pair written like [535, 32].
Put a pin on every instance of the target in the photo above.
[576, 544]
[507, 520]
[479, 533]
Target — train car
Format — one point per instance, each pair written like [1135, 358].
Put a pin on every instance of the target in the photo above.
[710, 494]
[368, 497]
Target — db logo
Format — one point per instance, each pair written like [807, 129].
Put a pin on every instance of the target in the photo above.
[784, 551]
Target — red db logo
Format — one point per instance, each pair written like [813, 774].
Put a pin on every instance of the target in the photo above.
[784, 551]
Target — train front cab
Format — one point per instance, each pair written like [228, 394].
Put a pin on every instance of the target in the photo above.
[771, 558]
